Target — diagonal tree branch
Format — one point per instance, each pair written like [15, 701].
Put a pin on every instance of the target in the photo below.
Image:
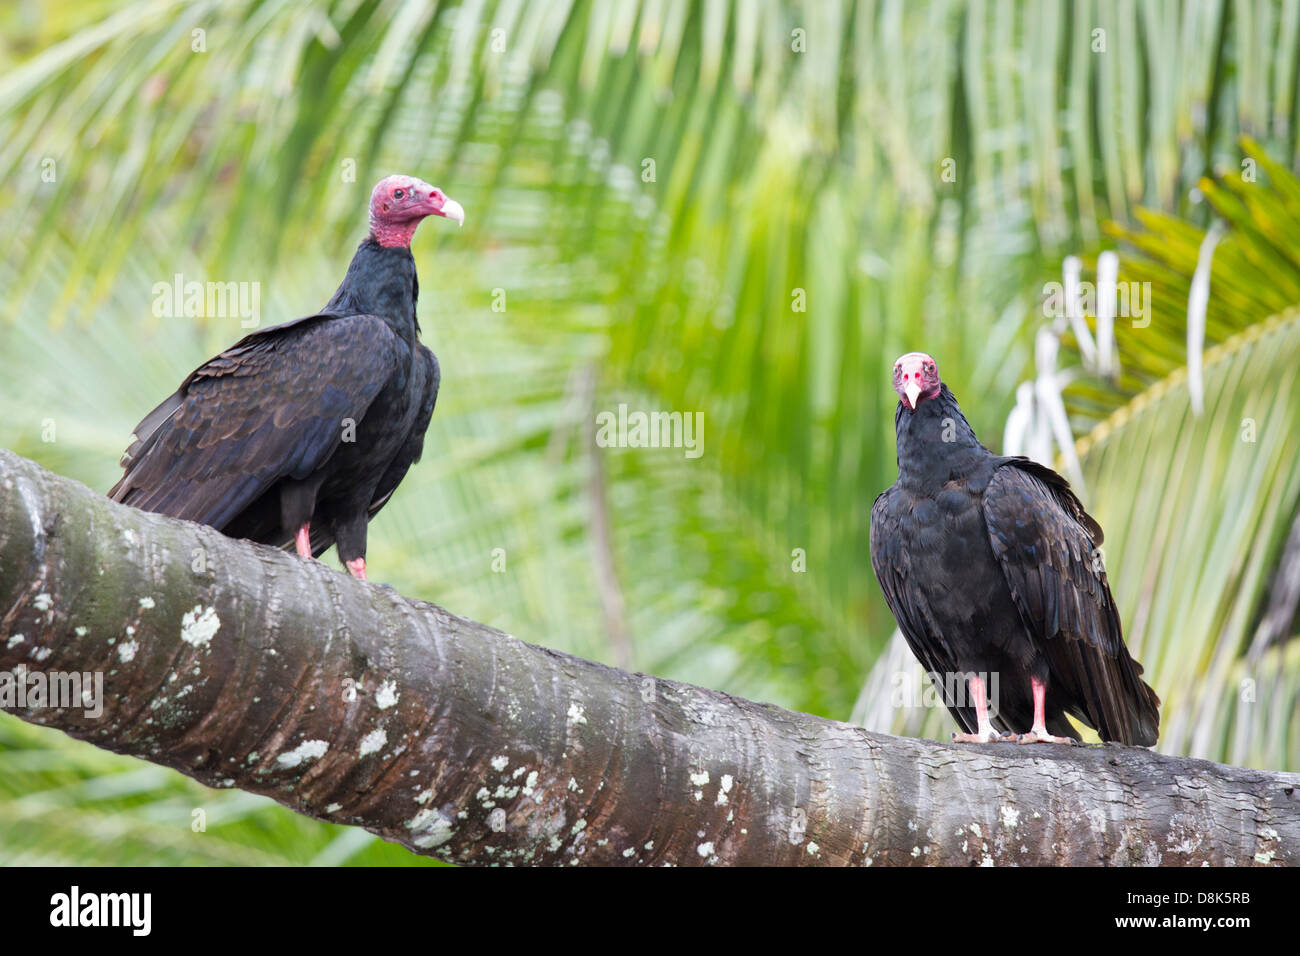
[246, 667]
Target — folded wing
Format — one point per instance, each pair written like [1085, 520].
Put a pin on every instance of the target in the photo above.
[1046, 545]
[271, 406]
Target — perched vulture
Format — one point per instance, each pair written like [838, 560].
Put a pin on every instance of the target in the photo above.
[992, 568]
[299, 433]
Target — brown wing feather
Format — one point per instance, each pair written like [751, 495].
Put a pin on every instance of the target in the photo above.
[1045, 543]
[269, 407]
[892, 563]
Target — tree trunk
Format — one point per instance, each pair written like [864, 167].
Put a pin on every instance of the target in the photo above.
[243, 666]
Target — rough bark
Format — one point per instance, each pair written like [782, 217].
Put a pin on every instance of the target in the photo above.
[246, 667]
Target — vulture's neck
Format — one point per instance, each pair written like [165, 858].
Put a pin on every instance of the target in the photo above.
[381, 281]
[936, 444]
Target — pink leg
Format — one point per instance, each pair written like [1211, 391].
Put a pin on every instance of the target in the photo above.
[985, 732]
[1039, 732]
[303, 541]
[357, 567]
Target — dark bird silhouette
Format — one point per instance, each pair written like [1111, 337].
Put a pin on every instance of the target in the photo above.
[299, 433]
[993, 571]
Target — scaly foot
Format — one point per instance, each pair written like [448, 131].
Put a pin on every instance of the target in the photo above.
[1039, 735]
[989, 736]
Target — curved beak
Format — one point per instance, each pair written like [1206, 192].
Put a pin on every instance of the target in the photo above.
[912, 389]
[452, 210]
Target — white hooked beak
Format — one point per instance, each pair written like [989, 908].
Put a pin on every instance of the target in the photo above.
[453, 210]
[912, 390]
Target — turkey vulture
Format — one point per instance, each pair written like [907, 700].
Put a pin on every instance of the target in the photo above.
[992, 568]
[299, 433]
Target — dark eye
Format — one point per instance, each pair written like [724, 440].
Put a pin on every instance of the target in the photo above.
[398, 194]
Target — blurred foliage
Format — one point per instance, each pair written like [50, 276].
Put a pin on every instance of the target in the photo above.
[654, 187]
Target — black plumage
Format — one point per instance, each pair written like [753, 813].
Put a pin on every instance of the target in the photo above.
[302, 431]
[991, 566]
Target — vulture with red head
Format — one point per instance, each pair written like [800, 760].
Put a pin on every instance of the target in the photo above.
[993, 570]
[299, 433]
